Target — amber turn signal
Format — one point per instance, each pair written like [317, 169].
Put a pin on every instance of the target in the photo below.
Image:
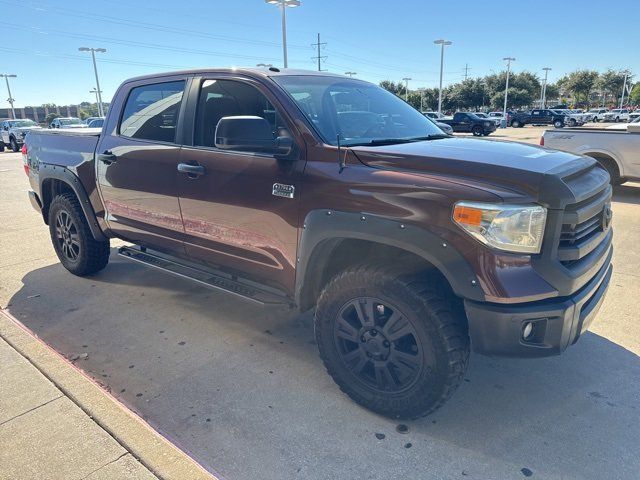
[467, 215]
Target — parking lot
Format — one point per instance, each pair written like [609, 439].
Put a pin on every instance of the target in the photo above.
[241, 388]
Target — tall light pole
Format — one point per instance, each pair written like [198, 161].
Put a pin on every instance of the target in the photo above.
[421, 90]
[283, 4]
[506, 88]
[543, 95]
[442, 44]
[93, 90]
[10, 99]
[406, 88]
[95, 70]
[351, 74]
[624, 87]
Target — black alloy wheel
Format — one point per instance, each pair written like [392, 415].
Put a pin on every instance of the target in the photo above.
[378, 345]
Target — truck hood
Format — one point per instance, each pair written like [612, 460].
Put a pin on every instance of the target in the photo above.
[528, 169]
[25, 129]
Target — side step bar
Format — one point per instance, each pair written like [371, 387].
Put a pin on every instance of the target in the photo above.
[215, 280]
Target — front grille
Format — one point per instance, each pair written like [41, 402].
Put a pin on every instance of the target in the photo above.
[585, 226]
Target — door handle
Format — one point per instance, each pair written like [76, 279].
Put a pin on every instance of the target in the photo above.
[192, 171]
[107, 157]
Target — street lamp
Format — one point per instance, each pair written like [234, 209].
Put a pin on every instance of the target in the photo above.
[93, 90]
[283, 4]
[406, 88]
[95, 70]
[265, 65]
[543, 95]
[506, 88]
[624, 87]
[10, 99]
[351, 74]
[442, 43]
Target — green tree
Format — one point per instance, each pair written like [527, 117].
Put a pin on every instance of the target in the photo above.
[579, 83]
[393, 87]
[610, 83]
[634, 98]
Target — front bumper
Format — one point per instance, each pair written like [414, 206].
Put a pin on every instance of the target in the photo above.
[557, 323]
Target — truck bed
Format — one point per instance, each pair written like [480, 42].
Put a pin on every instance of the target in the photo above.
[67, 148]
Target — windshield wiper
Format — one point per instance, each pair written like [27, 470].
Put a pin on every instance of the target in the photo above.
[393, 141]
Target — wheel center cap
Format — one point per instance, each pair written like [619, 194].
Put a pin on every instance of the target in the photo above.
[375, 344]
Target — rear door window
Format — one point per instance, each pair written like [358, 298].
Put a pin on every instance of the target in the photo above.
[151, 112]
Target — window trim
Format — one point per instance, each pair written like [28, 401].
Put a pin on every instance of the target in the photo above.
[194, 99]
[179, 138]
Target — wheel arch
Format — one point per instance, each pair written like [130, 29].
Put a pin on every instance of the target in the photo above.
[55, 180]
[332, 241]
[603, 156]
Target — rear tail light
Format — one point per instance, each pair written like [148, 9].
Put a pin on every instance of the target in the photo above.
[25, 161]
[542, 141]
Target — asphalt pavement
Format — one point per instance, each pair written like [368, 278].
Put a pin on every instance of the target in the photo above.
[241, 388]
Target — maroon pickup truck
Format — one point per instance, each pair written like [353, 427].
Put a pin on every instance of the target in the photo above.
[319, 191]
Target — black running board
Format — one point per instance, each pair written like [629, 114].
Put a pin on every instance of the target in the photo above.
[215, 280]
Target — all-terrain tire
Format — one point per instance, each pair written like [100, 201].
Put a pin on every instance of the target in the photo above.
[439, 330]
[72, 240]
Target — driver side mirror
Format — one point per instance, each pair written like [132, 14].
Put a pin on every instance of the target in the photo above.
[250, 134]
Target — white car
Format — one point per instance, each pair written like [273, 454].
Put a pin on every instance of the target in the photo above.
[634, 115]
[572, 119]
[623, 126]
[484, 115]
[433, 115]
[597, 114]
[616, 150]
[617, 115]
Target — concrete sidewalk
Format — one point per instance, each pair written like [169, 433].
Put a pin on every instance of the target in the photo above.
[55, 423]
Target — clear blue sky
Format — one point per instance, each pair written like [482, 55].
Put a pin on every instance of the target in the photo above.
[378, 40]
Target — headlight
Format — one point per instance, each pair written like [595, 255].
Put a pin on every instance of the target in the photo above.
[512, 228]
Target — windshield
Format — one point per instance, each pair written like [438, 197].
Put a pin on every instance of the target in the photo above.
[481, 115]
[70, 121]
[360, 112]
[23, 123]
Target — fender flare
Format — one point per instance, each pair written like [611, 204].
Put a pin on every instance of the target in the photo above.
[322, 229]
[65, 175]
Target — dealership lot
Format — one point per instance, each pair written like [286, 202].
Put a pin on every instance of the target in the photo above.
[242, 389]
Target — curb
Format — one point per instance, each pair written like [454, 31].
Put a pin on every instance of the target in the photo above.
[152, 450]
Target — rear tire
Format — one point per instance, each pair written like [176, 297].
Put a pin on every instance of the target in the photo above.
[73, 242]
[1, 146]
[397, 346]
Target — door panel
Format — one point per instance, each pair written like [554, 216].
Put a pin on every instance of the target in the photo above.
[231, 217]
[137, 168]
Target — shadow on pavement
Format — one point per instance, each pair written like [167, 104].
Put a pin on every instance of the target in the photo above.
[241, 388]
[627, 194]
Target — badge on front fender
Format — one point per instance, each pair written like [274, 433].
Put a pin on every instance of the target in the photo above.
[282, 190]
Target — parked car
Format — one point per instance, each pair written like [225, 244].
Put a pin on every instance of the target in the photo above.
[622, 126]
[597, 114]
[442, 126]
[499, 116]
[88, 120]
[634, 115]
[617, 115]
[468, 122]
[67, 122]
[616, 150]
[96, 122]
[572, 119]
[485, 116]
[411, 245]
[434, 115]
[12, 133]
[538, 116]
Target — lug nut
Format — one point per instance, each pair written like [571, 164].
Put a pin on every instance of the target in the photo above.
[385, 343]
[374, 333]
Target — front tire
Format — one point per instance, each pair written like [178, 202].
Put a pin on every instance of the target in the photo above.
[14, 145]
[515, 124]
[477, 131]
[72, 240]
[397, 346]
[558, 124]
